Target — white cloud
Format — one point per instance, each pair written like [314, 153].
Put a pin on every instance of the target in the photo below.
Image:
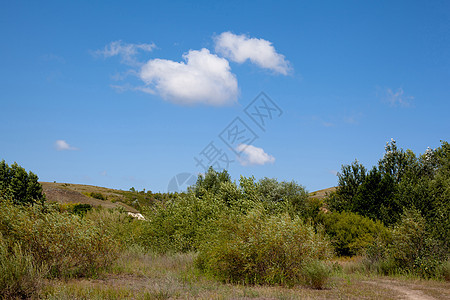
[254, 155]
[397, 98]
[127, 52]
[203, 78]
[239, 48]
[62, 145]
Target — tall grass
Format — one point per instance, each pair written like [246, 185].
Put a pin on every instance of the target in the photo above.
[20, 275]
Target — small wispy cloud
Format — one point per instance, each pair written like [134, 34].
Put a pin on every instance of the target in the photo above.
[53, 58]
[126, 52]
[62, 145]
[397, 97]
[253, 155]
[333, 172]
[240, 48]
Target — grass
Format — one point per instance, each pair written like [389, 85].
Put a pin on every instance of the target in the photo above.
[137, 275]
[80, 193]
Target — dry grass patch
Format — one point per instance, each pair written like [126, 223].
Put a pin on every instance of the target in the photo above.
[137, 275]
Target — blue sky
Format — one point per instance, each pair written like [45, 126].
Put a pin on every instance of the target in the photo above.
[129, 93]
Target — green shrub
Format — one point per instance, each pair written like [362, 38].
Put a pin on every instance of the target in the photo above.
[20, 276]
[81, 209]
[316, 274]
[67, 244]
[117, 224]
[351, 233]
[444, 270]
[181, 224]
[412, 248]
[97, 195]
[261, 249]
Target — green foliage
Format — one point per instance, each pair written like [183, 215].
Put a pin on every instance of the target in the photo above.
[69, 245]
[444, 270]
[19, 186]
[351, 233]
[258, 248]
[396, 163]
[413, 249]
[20, 276]
[210, 182]
[116, 224]
[375, 198]
[316, 274]
[97, 195]
[400, 181]
[81, 209]
[350, 178]
[180, 225]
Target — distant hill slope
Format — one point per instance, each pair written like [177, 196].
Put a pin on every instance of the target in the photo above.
[79, 193]
[320, 194]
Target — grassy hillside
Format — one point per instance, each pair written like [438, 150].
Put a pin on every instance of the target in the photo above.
[88, 194]
[321, 194]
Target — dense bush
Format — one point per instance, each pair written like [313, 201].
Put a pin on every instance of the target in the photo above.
[19, 186]
[413, 249]
[20, 275]
[179, 225]
[316, 273]
[67, 244]
[351, 233]
[262, 249]
[116, 224]
[81, 209]
[97, 195]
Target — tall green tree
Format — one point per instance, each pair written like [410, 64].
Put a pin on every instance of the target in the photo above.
[19, 186]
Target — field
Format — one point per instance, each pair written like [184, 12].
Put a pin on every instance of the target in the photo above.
[143, 276]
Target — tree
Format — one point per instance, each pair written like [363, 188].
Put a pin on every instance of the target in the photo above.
[19, 186]
[375, 198]
[397, 163]
[210, 182]
[350, 178]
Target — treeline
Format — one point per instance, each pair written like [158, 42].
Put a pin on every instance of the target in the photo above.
[410, 196]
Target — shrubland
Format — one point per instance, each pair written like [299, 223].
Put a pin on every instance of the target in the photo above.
[394, 216]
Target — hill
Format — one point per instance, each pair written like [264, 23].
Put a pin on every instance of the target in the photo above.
[320, 194]
[88, 194]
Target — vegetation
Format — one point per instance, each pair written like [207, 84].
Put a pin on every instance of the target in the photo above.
[97, 195]
[19, 186]
[260, 249]
[411, 195]
[352, 233]
[391, 219]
